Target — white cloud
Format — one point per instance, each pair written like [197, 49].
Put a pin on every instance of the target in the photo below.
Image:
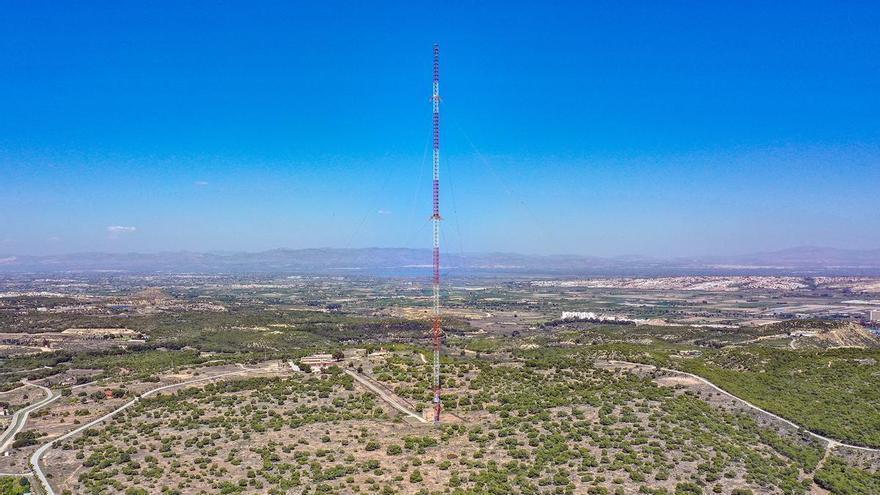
[200, 183]
[114, 231]
[384, 212]
[53, 238]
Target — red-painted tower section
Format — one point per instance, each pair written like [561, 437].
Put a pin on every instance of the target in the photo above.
[435, 220]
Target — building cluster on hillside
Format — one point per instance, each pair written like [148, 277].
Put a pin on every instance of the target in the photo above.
[686, 283]
[595, 317]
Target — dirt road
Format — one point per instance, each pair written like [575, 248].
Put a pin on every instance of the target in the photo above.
[38, 454]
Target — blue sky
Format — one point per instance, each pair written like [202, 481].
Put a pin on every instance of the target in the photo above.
[602, 128]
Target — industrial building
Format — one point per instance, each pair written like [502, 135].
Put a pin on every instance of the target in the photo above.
[318, 360]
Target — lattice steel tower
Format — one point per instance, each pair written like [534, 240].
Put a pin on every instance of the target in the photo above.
[435, 220]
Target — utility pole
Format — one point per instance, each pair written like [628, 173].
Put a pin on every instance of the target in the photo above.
[435, 220]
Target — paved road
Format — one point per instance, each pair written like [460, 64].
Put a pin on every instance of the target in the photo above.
[832, 443]
[35, 458]
[20, 417]
[386, 396]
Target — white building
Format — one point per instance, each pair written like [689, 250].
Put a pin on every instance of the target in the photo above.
[591, 316]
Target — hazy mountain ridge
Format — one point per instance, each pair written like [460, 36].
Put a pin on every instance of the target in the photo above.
[810, 256]
[800, 260]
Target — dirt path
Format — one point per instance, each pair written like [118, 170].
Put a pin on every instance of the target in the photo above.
[392, 399]
[686, 379]
[830, 442]
[38, 454]
[26, 371]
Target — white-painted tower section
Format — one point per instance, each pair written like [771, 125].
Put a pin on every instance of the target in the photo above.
[435, 220]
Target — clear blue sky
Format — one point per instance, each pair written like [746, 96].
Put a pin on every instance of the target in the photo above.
[604, 128]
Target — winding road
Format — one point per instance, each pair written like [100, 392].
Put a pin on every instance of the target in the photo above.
[20, 417]
[831, 443]
[38, 454]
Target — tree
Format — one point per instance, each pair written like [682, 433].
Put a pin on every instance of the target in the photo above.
[688, 488]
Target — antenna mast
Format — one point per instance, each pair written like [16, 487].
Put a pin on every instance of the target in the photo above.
[435, 220]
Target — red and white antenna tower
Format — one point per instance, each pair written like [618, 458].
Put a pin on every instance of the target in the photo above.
[435, 220]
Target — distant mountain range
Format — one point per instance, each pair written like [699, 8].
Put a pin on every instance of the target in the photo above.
[804, 261]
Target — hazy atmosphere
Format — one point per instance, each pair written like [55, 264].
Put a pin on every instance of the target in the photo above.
[678, 129]
[439, 248]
